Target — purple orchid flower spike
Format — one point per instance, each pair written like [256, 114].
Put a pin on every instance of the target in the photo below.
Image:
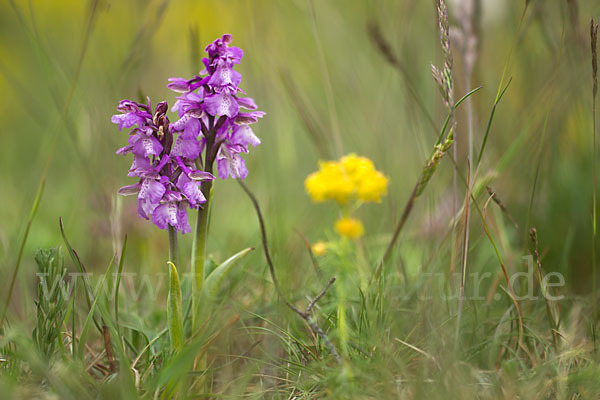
[168, 182]
[214, 103]
[211, 127]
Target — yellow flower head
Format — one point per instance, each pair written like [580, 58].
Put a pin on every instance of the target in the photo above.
[319, 248]
[349, 227]
[329, 183]
[351, 176]
[372, 187]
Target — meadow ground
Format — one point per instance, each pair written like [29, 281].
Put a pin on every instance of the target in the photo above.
[461, 236]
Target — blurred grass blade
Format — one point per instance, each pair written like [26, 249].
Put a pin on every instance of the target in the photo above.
[76, 261]
[118, 283]
[174, 312]
[89, 294]
[458, 103]
[34, 208]
[90, 317]
[489, 124]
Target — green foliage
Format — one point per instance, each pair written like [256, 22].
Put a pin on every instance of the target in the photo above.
[52, 302]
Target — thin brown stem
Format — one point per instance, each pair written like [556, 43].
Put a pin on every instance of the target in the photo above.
[305, 315]
[593, 42]
[388, 251]
[109, 353]
[465, 252]
[551, 320]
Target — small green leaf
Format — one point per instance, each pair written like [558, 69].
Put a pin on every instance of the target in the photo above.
[174, 313]
[215, 279]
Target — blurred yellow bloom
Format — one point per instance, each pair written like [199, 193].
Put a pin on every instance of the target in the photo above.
[329, 183]
[350, 176]
[319, 248]
[373, 187]
[349, 227]
[357, 168]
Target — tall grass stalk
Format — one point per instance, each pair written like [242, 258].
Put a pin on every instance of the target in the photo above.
[440, 148]
[542, 140]
[593, 42]
[551, 320]
[465, 252]
[468, 12]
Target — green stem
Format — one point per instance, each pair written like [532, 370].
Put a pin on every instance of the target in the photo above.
[173, 247]
[199, 250]
[342, 324]
[201, 233]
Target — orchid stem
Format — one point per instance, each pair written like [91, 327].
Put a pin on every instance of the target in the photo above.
[173, 247]
[199, 246]
[342, 324]
[199, 250]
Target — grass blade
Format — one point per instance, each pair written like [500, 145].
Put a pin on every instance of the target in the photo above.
[174, 312]
[34, 208]
[118, 284]
[216, 278]
[90, 317]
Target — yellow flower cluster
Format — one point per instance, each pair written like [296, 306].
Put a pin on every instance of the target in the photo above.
[349, 227]
[342, 180]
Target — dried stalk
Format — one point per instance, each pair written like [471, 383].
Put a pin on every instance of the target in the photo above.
[305, 315]
[593, 42]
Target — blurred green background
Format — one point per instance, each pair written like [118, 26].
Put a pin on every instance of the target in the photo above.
[65, 65]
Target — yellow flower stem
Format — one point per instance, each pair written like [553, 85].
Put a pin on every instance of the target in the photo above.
[342, 324]
[362, 265]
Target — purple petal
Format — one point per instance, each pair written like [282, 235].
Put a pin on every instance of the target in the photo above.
[147, 146]
[249, 117]
[139, 166]
[229, 164]
[182, 218]
[125, 150]
[129, 190]
[180, 123]
[152, 190]
[188, 148]
[247, 102]
[191, 190]
[198, 175]
[192, 129]
[235, 54]
[242, 134]
[179, 85]
[127, 120]
[219, 104]
[224, 75]
[165, 214]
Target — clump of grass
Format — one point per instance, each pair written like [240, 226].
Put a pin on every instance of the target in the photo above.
[52, 303]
